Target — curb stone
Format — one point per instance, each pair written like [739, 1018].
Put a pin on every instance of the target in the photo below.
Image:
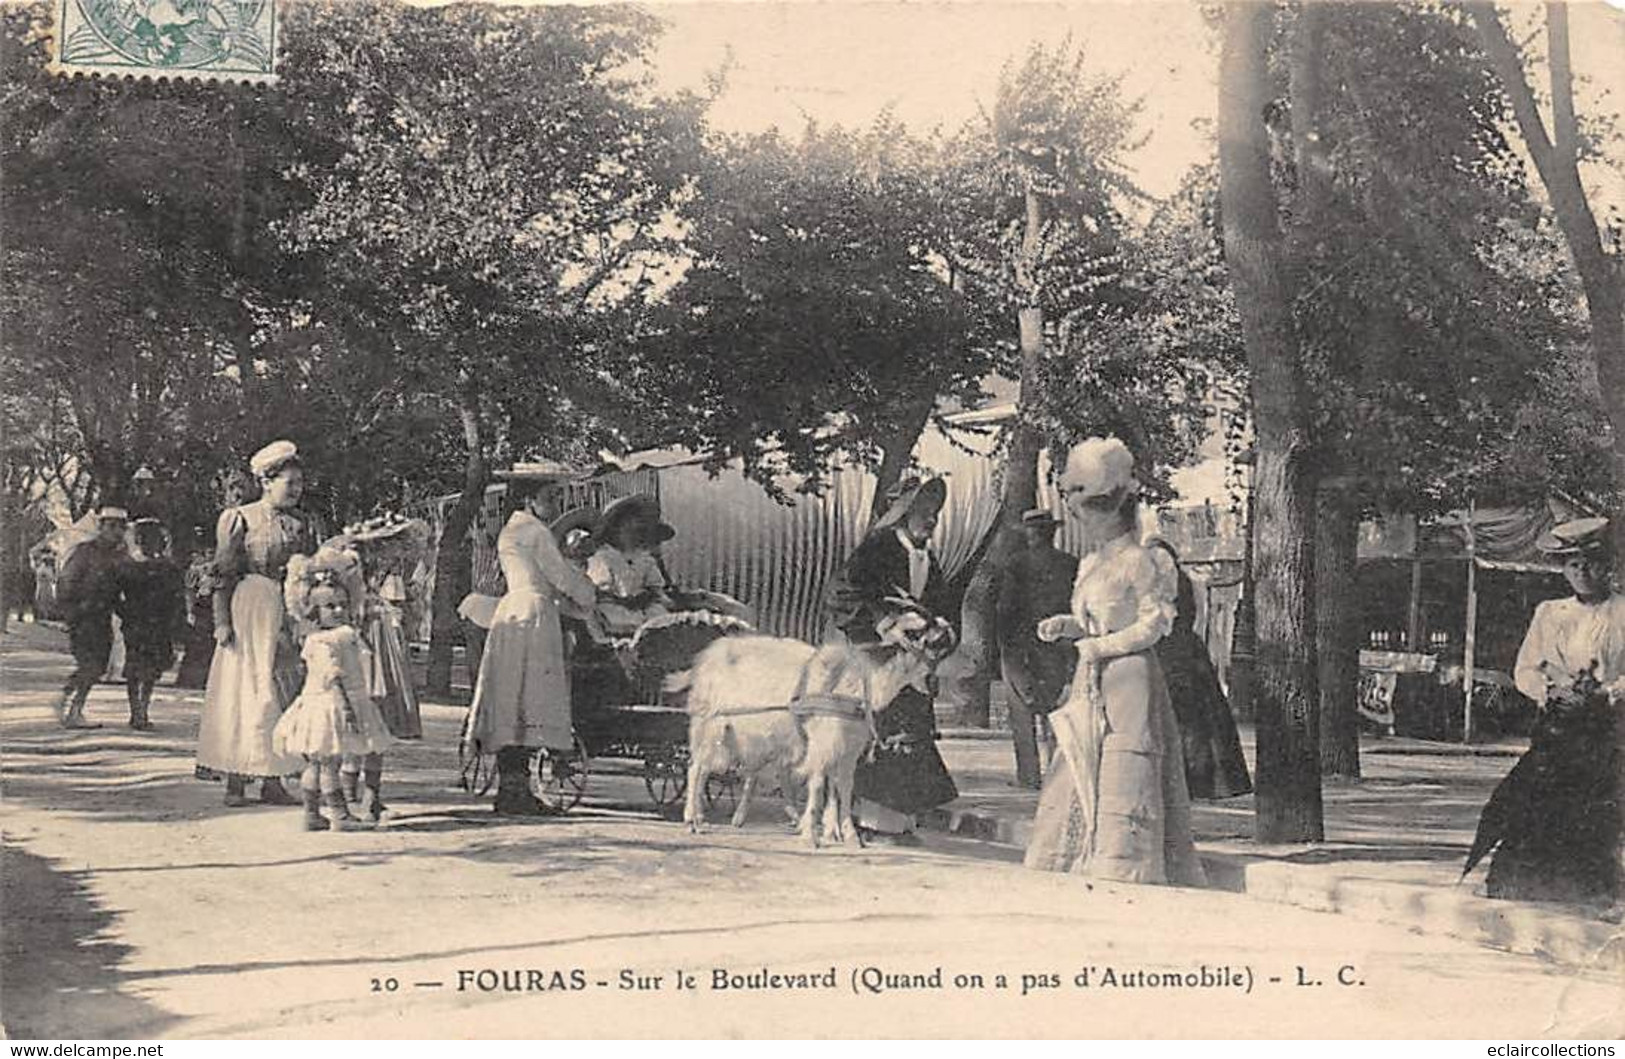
[1571, 938]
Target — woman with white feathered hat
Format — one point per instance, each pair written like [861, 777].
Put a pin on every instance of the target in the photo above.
[1114, 805]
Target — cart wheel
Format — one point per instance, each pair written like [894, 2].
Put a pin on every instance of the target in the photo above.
[476, 774]
[559, 780]
[722, 791]
[666, 779]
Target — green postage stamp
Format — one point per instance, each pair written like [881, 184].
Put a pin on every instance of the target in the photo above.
[226, 40]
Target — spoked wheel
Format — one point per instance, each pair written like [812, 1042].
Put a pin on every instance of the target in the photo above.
[665, 776]
[722, 791]
[476, 773]
[559, 780]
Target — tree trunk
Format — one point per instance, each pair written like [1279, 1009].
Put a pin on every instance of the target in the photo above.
[978, 654]
[453, 563]
[1286, 696]
[897, 452]
[1556, 159]
[1337, 534]
[1336, 522]
[969, 683]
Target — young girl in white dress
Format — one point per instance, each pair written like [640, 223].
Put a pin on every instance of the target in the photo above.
[335, 714]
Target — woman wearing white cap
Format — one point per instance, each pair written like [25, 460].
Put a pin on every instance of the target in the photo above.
[254, 674]
[1114, 805]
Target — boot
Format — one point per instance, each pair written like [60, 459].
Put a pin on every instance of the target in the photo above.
[273, 793]
[338, 813]
[377, 811]
[235, 785]
[72, 708]
[513, 783]
[314, 820]
[350, 784]
[140, 698]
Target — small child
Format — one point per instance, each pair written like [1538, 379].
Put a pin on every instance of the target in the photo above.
[151, 606]
[334, 715]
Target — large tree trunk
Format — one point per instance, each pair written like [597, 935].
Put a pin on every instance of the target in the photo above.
[453, 564]
[1556, 159]
[1286, 695]
[1337, 535]
[897, 451]
[978, 656]
[1336, 521]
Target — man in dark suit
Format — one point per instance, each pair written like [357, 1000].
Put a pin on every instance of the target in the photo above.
[1035, 584]
[906, 775]
[86, 592]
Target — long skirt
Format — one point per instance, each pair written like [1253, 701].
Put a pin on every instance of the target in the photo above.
[1114, 805]
[906, 774]
[522, 696]
[1211, 746]
[391, 676]
[1555, 821]
[250, 682]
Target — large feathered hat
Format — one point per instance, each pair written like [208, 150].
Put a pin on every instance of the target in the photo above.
[332, 565]
[1098, 467]
[912, 492]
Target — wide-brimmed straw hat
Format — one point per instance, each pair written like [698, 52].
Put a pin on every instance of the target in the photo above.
[537, 471]
[580, 518]
[1581, 536]
[910, 493]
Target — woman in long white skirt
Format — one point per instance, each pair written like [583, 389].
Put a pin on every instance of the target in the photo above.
[522, 696]
[1114, 805]
[255, 672]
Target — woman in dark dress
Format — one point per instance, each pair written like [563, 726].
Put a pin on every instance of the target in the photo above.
[906, 775]
[1214, 764]
[1555, 821]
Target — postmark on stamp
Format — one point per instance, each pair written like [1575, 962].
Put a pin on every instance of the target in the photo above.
[224, 40]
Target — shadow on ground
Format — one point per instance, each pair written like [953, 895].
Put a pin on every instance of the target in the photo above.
[57, 954]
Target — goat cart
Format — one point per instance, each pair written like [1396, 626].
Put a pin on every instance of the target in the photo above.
[623, 718]
[622, 712]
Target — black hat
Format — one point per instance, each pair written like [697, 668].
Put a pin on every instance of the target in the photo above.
[911, 493]
[640, 505]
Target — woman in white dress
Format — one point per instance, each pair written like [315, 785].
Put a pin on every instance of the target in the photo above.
[522, 696]
[1114, 805]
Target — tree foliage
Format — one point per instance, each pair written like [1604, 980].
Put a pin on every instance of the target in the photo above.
[818, 275]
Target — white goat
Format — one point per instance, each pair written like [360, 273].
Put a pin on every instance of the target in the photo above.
[761, 702]
[739, 689]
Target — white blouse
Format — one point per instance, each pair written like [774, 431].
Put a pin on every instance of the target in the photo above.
[1125, 596]
[1566, 637]
[625, 574]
